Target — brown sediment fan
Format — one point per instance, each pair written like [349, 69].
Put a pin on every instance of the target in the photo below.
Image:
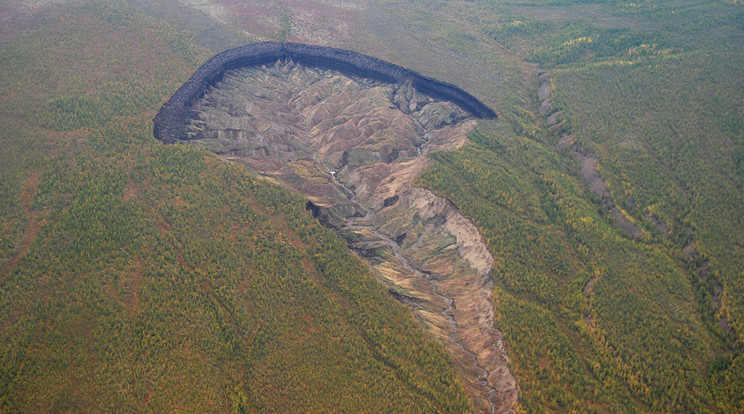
[170, 122]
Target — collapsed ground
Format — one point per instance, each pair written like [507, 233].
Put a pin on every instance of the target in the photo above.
[353, 147]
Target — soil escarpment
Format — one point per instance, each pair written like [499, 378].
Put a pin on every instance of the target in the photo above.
[354, 146]
[170, 122]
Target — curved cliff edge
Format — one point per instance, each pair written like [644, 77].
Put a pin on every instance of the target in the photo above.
[170, 122]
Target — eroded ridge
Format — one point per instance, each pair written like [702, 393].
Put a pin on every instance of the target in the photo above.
[354, 146]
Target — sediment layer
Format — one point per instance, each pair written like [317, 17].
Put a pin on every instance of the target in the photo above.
[170, 122]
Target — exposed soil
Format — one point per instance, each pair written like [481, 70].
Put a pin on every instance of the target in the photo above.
[590, 174]
[28, 192]
[588, 163]
[354, 147]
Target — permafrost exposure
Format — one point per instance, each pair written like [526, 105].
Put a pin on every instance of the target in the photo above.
[351, 134]
[170, 121]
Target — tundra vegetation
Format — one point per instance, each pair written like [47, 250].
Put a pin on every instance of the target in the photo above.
[137, 277]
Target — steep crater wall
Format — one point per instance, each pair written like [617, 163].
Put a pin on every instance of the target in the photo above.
[170, 122]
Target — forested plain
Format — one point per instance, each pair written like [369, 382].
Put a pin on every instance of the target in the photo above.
[141, 277]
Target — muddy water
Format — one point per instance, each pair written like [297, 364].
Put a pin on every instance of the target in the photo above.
[354, 148]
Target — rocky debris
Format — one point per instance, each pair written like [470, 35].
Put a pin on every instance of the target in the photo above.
[441, 244]
[354, 146]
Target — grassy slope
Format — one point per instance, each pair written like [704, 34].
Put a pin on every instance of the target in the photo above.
[150, 278]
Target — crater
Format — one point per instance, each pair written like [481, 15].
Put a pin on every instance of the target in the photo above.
[352, 145]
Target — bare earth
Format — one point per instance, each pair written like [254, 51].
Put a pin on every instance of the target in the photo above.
[588, 163]
[353, 147]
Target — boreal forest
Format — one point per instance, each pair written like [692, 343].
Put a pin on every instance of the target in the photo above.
[316, 238]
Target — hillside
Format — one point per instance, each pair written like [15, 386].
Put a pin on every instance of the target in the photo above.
[613, 206]
[141, 277]
[353, 147]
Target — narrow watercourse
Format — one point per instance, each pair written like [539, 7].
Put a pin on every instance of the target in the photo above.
[443, 301]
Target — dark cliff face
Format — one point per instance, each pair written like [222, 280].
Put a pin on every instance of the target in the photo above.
[170, 122]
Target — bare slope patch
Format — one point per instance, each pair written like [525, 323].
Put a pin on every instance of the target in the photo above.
[353, 147]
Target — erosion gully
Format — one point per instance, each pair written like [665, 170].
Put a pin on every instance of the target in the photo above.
[449, 294]
[351, 223]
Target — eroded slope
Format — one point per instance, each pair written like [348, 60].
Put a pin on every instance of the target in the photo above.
[353, 147]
